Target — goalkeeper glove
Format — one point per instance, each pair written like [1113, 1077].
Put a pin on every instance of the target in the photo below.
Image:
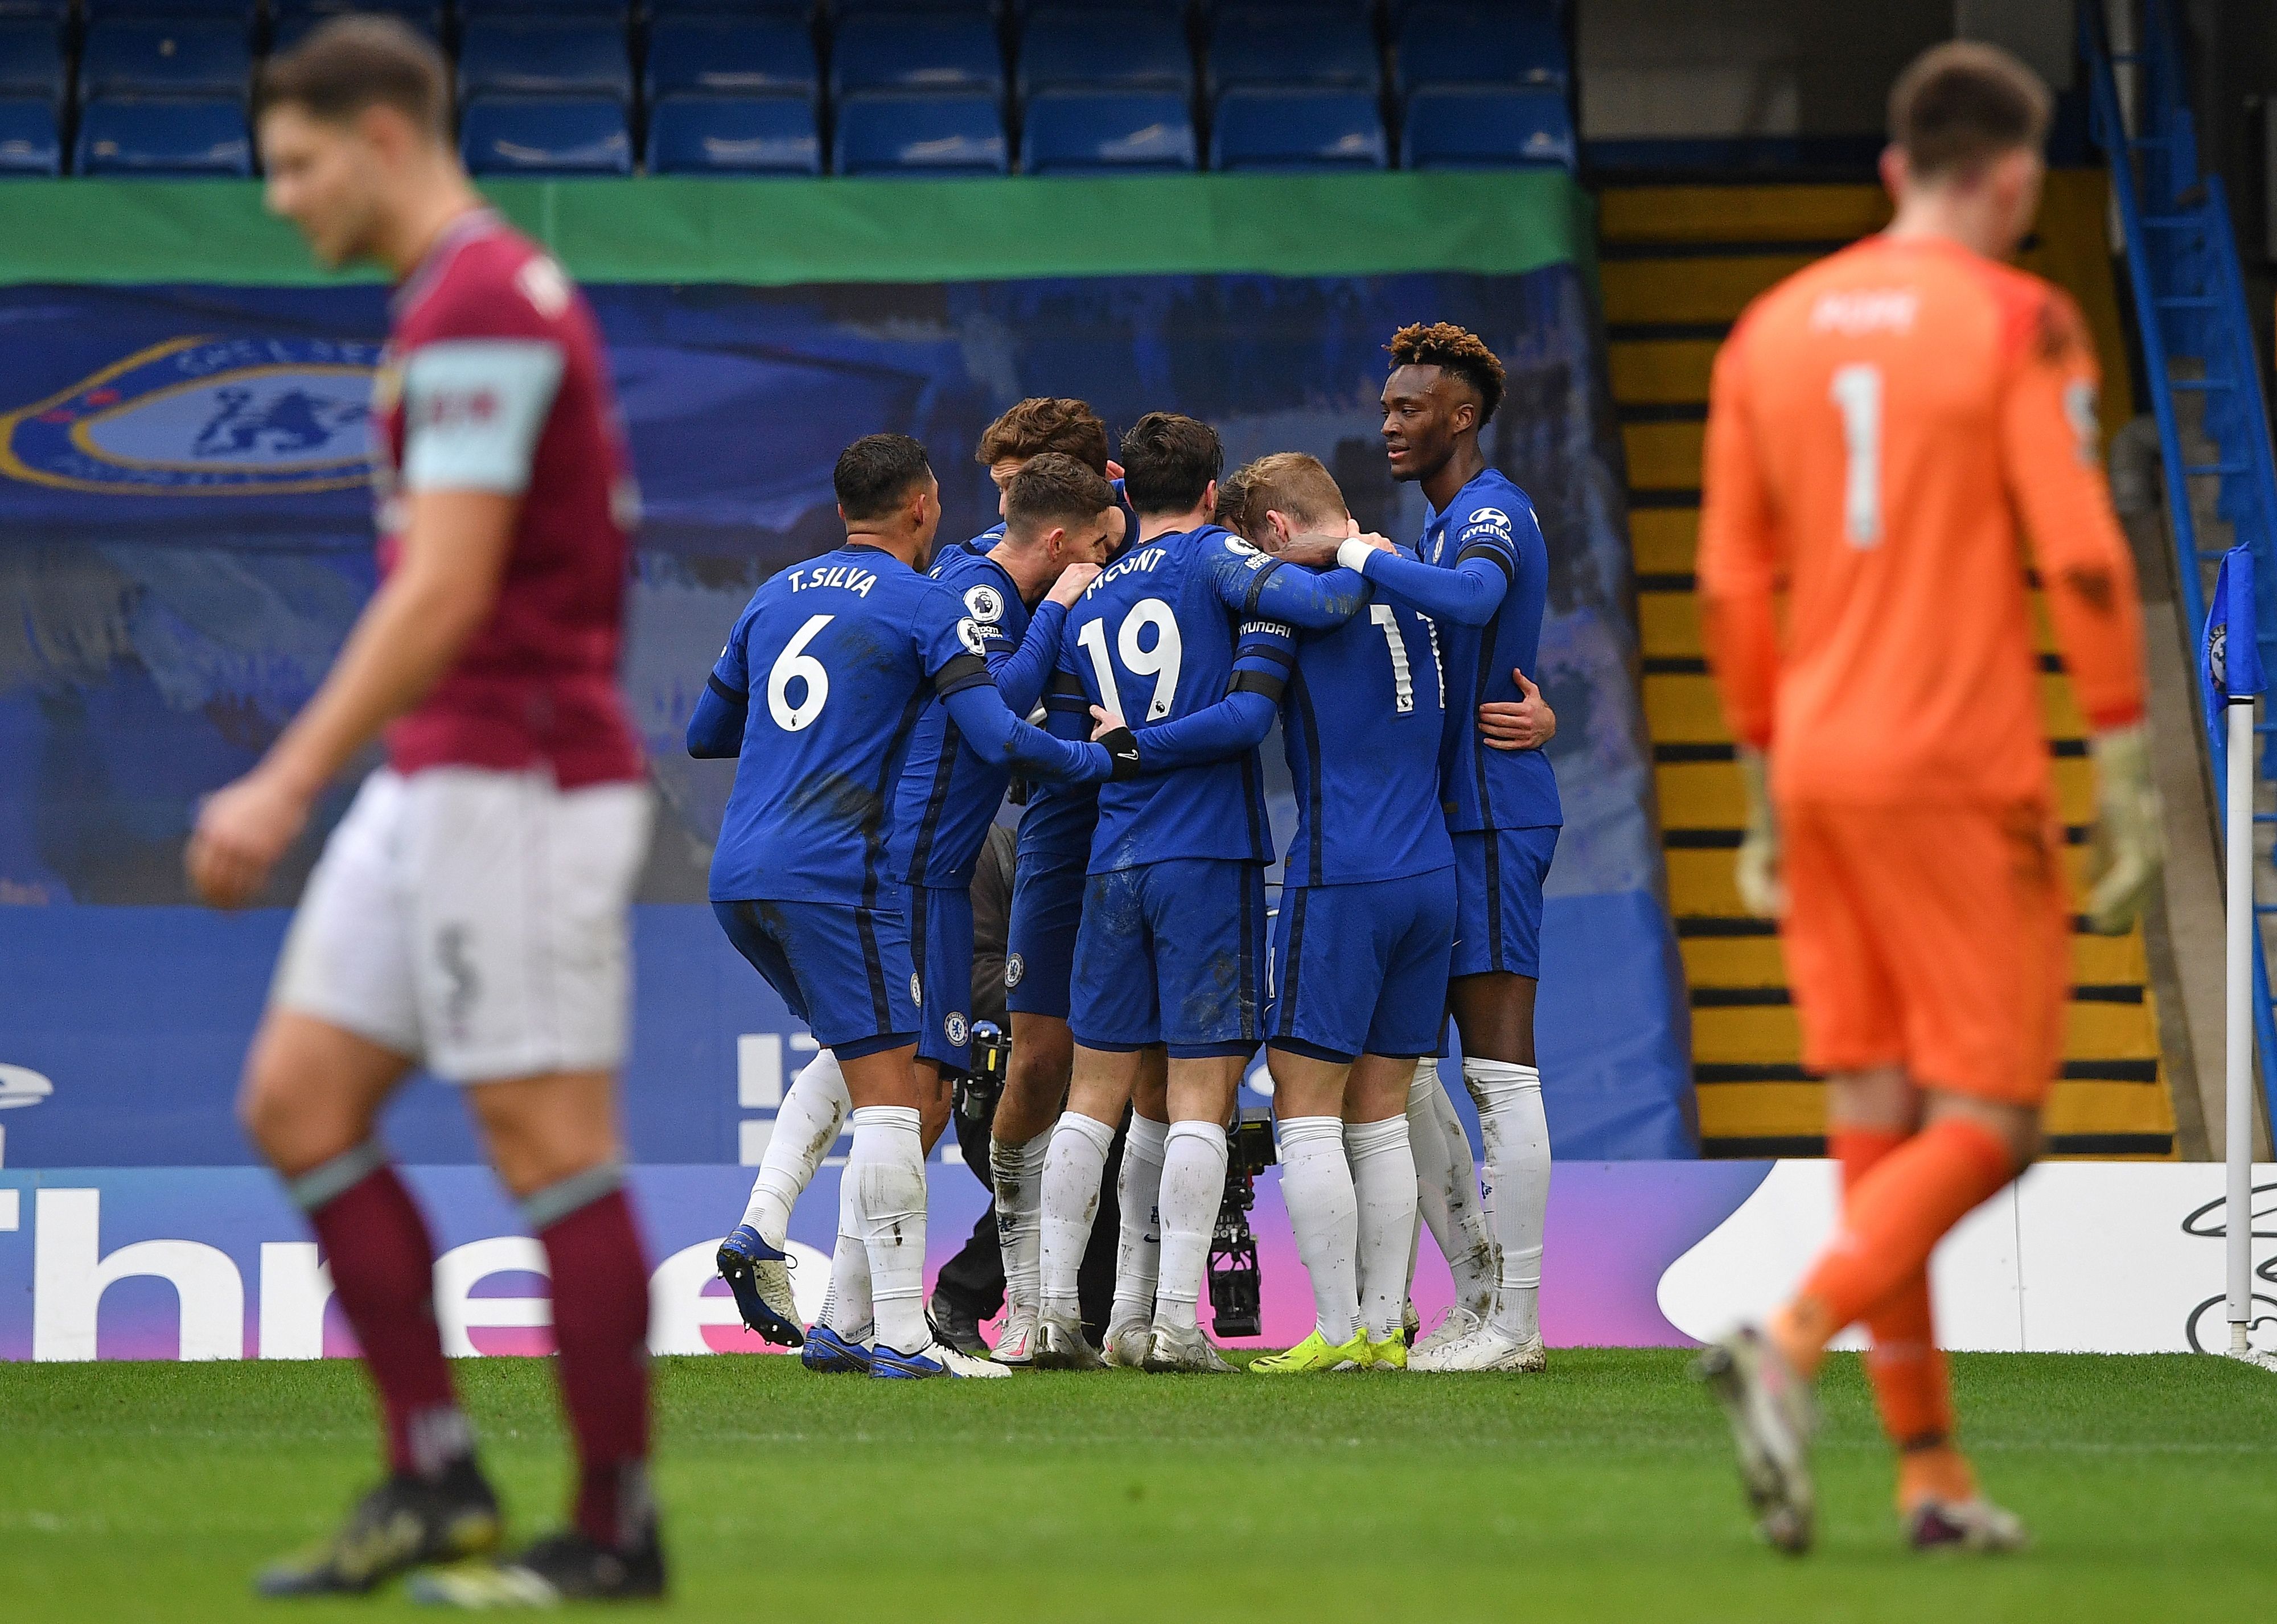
[1762, 887]
[2129, 847]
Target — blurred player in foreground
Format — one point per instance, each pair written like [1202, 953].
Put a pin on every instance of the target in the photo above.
[817, 694]
[470, 910]
[1879, 424]
[1366, 929]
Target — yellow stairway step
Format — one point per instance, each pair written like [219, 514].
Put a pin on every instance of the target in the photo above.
[1665, 539]
[2077, 1107]
[1700, 882]
[1699, 795]
[1762, 1110]
[1752, 1034]
[1662, 456]
[1703, 288]
[1799, 213]
[1669, 623]
[1661, 371]
[1684, 710]
[1733, 961]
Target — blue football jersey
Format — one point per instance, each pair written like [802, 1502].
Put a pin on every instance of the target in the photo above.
[838, 656]
[1362, 720]
[1483, 787]
[1154, 639]
[948, 796]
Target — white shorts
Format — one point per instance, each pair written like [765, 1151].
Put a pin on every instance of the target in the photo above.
[474, 921]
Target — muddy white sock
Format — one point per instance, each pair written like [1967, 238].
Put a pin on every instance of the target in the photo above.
[1317, 1187]
[1193, 1188]
[1018, 1176]
[1447, 1189]
[813, 1110]
[1138, 1188]
[1073, 1168]
[1517, 1133]
[1384, 1194]
[886, 1168]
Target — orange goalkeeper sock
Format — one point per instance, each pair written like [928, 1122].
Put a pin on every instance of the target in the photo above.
[1905, 1365]
[1890, 1225]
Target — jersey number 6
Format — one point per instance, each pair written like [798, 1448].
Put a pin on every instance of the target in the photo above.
[1159, 663]
[795, 664]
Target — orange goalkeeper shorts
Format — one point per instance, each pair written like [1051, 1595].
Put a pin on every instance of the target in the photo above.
[1934, 938]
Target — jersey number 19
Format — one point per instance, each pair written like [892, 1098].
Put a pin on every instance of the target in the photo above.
[1160, 661]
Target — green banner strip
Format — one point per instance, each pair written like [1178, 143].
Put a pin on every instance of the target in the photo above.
[776, 233]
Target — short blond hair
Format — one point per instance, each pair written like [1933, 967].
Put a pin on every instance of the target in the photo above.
[1292, 483]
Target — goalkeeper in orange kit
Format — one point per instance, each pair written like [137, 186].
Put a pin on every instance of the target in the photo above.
[1880, 425]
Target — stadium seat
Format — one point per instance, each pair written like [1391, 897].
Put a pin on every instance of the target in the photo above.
[842, 9]
[1081, 131]
[910, 50]
[1477, 126]
[734, 135]
[1277, 46]
[192, 56]
[576, 56]
[1063, 46]
[891, 133]
[1262, 129]
[486, 10]
[802, 10]
[28, 141]
[213, 11]
[174, 137]
[1479, 45]
[38, 11]
[555, 135]
[767, 55]
[31, 59]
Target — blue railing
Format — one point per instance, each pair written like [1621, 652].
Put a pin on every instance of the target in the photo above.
[2197, 340]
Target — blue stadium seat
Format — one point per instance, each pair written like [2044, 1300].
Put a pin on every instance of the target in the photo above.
[1479, 45]
[1268, 129]
[28, 141]
[768, 55]
[570, 56]
[888, 134]
[802, 10]
[1085, 132]
[165, 58]
[551, 135]
[1479, 126]
[31, 58]
[41, 11]
[213, 11]
[1063, 46]
[842, 9]
[543, 10]
[734, 135]
[183, 137]
[915, 50]
[1281, 46]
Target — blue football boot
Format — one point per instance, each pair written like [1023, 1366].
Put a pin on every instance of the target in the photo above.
[760, 1277]
[825, 1353]
[936, 1360]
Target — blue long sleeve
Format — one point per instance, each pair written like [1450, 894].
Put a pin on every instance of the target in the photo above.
[716, 731]
[1002, 739]
[1238, 722]
[1252, 583]
[1022, 673]
[1468, 595]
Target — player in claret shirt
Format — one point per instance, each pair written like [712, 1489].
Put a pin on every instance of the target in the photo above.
[818, 693]
[470, 910]
[1191, 630]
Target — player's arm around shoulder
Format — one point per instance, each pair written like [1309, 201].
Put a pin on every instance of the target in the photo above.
[950, 650]
[1253, 582]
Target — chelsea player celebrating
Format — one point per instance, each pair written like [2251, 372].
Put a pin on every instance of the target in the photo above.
[846, 650]
[1170, 950]
[1483, 576]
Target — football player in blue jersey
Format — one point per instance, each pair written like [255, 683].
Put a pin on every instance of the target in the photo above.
[1483, 574]
[1191, 630]
[1360, 953]
[1060, 517]
[848, 648]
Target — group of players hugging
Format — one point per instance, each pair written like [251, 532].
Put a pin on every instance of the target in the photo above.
[1881, 428]
[1156, 617]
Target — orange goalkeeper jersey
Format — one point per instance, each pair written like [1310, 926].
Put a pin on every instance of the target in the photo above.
[1880, 425]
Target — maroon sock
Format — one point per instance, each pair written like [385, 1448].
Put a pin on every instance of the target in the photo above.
[382, 1266]
[600, 1327]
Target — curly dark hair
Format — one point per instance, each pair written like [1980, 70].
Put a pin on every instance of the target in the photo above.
[1456, 351]
[1042, 424]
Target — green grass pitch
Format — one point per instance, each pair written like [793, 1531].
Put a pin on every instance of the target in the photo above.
[1601, 1491]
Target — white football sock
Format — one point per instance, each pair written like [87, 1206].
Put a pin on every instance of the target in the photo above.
[1384, 1192]
[1447, 1189]
[1517, 1133]
[806, 1126]
[1073, 1168]
[887, 1168]
[1193, 1188]
[1317, 1187]
[1138, 1188]
[846, 1305]
[1018, 1177]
